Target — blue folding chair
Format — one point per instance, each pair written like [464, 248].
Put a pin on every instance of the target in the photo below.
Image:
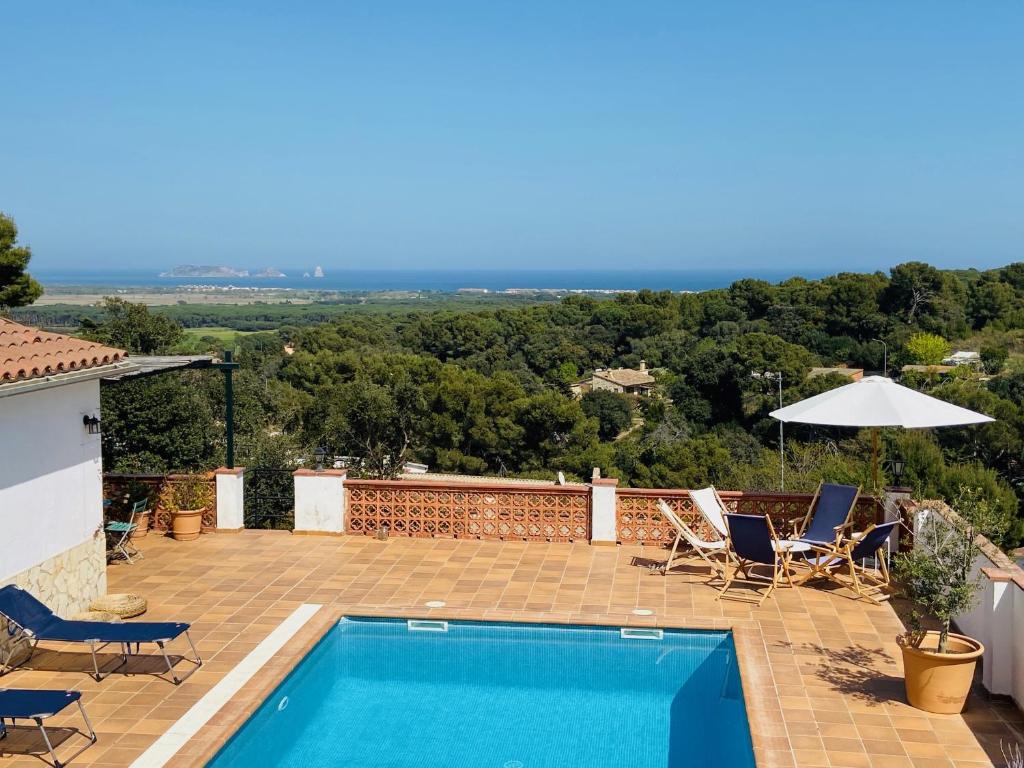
[828, 516]
[37, 622]
[17, 704]
[870, 583]
[752, 542]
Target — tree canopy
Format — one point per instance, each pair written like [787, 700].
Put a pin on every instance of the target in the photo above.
[487, 391]
[17, 287]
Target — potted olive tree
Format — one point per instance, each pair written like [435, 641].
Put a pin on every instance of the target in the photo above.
[936, 576]
[187, 498]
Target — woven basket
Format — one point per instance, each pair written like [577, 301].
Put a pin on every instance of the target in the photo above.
[96, 616]
[122, 605]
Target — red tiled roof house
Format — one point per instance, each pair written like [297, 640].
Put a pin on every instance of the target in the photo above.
[51, 478]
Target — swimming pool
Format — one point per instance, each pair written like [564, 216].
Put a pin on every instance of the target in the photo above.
[387, 692]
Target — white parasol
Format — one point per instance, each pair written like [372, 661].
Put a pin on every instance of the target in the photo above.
[877, 401]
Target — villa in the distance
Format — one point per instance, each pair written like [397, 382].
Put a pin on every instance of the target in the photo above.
[627, 381]
[963, 357]
[853, 374]
[51, 478]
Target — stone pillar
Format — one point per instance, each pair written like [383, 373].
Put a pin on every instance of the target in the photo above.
[320, 501]
[230, 499]
[603, 529]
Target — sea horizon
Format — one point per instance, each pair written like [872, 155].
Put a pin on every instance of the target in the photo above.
[437, 280]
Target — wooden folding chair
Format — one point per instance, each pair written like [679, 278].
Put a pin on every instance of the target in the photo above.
[828, 516]
[870, 583]
[752, 542]
[706, 550]
[711, 508]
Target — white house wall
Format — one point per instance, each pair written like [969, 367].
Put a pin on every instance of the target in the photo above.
[51, 490]
[996, 620]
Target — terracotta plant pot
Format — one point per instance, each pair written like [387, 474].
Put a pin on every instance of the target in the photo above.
[141, 526]
[939, 682]
[186, 524]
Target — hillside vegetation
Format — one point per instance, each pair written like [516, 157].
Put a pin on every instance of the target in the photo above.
[487, 391]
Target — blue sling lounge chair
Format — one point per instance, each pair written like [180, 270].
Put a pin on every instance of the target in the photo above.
[37, 622]
[752, 542]
[828, 515]
[17, 704]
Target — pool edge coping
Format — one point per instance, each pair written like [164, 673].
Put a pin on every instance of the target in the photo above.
[747, 639]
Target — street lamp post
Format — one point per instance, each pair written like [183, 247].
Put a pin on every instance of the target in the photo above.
[776, 376]
[885, 357]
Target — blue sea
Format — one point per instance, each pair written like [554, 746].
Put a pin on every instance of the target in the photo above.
[445, 281]
[376, 694]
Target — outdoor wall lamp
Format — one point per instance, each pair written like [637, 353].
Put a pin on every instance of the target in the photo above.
[91, 424]
[320, 453]
[896, 465]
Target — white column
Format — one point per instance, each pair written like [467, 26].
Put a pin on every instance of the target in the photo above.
[1017, 667]
[230, 499]
[602, 511]
[320, 501]
[997, 605]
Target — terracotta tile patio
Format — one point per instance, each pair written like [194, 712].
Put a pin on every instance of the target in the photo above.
[821, 672]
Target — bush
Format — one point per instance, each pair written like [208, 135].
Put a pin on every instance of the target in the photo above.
[993, 358]
[187, 493]
[614, 412]
[928, 348]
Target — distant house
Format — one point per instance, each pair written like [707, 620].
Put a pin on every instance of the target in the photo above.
[854, 374]
[963, 357]
[627, 381]
[51, 478]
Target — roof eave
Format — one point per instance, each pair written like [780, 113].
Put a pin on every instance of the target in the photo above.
[38, 383]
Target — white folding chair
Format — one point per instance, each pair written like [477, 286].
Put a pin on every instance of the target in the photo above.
[712, 509]
[706, 550]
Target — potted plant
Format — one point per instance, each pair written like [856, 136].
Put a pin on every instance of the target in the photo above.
[936, 576]
[186, 499]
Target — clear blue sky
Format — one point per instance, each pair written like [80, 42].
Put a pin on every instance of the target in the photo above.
[540, 134]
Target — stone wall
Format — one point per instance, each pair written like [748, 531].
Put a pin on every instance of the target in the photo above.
[67, 583]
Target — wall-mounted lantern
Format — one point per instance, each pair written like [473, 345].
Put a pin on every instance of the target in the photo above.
[897, 465]
[91, 424]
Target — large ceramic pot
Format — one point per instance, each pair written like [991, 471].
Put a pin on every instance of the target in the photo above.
[186, 524]
[141, 525]
[939, 682]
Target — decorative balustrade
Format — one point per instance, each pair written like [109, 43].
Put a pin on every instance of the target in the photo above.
[123, 489]
[485, 510]
[638, 520]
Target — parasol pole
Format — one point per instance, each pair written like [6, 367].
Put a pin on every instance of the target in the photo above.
[874, 458]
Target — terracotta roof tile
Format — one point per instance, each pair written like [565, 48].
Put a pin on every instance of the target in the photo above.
[625, 377]
[28, 353]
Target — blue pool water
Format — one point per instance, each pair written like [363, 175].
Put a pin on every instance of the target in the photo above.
[374, 693]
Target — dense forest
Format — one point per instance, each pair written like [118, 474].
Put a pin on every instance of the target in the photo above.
[487, 391]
